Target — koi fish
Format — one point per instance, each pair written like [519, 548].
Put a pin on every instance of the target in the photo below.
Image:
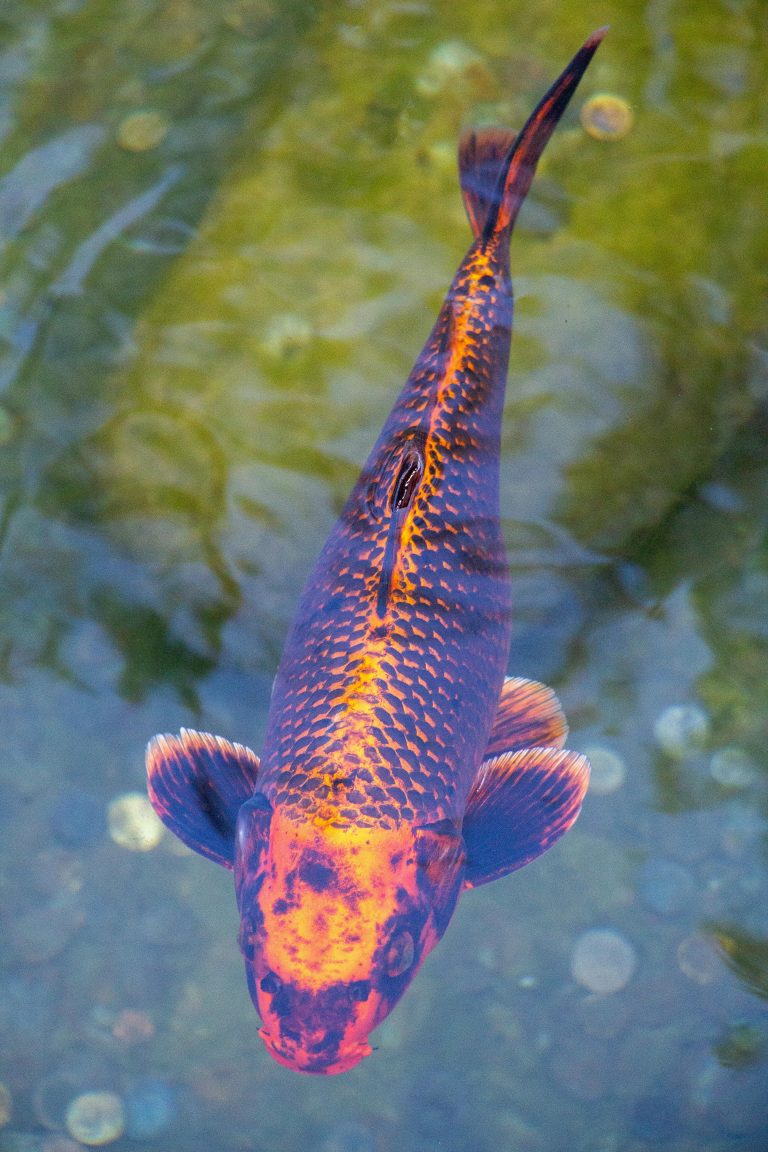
[399, 766]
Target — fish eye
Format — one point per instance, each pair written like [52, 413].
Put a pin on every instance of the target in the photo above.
[400, 953]
[359, 990]
[270, 983]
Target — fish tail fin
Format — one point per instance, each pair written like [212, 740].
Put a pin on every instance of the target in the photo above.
[496, 166]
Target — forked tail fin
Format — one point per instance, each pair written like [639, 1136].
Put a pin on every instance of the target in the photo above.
[497, 166]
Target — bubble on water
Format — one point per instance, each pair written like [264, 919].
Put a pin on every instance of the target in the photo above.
[143, 130]
[608, 770]
[732, 768]
[96, 1118]
[607, 117]
[603, 961]
[133, 822]
[681, 730]
[665, 887]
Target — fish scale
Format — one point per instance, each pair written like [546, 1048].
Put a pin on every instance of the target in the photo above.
[449, 609]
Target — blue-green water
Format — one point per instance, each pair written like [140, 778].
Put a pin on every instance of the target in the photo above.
[225, 230]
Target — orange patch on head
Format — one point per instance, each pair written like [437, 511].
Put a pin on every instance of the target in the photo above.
[327, 894]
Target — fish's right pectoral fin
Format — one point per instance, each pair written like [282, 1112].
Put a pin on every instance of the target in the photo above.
[520, 804]
[197, 784]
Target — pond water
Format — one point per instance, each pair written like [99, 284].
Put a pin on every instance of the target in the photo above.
[225, 230]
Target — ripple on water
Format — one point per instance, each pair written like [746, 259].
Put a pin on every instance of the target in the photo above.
[603, 961]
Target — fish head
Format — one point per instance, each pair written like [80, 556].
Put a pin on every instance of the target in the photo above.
[335, 921]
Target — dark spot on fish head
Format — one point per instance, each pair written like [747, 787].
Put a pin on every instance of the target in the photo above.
[317, 873]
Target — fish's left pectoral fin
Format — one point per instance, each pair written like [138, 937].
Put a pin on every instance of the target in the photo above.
[528, 716]
[197, 784]
[520, 804]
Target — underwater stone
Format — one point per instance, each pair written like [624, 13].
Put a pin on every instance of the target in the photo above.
[608, 770]
[606, 117]
[697, 959]
[142, 130]
[132, 1026]
[732, 768]
[96, 1118]
[133, 822]
[603, 961]
[681, 730]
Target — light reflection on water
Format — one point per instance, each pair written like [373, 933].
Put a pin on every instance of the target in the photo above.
[180, 425]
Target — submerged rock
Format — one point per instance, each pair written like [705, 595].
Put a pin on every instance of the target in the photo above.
[133, 823]
[603, 961]
[96, 1118]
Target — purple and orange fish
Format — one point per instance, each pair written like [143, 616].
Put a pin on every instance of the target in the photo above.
[399, 766]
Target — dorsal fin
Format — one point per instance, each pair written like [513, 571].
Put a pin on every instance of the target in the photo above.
[483, 154]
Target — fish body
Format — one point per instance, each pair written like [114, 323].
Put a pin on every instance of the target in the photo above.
[399, 766]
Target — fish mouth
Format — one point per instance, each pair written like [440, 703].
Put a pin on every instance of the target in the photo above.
[331, 1063]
